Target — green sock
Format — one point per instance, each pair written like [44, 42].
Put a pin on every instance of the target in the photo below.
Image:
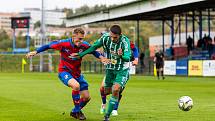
[112, 102]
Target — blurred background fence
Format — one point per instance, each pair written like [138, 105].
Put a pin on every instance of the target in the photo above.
[13, 63]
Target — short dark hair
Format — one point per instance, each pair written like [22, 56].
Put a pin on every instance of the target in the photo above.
[78, 30]
[116, 29]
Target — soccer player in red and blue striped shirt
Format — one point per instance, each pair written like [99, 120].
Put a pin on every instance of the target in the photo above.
[70, 68]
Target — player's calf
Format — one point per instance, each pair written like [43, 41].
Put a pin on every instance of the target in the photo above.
[107, 90]
[76, 100]
[103, 95]
[84, 101]
[104, 92]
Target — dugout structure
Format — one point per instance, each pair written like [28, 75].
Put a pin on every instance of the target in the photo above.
[171, 14]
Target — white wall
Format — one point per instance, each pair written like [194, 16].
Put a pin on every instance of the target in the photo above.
[51, 17]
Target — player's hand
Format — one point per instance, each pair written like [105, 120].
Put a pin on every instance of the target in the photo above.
[31, 54]
[75, 56]
[119, 52]
[105, 60]
[135, 62]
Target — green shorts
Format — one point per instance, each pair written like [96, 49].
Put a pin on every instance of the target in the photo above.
[116, 76]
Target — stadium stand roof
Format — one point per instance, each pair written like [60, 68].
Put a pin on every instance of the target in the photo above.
[142, 10]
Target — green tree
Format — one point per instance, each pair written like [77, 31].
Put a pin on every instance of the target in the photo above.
[99, 7]
[82, 9]
[5, 41]
[69, 12]
[37, 24]
[3, 35]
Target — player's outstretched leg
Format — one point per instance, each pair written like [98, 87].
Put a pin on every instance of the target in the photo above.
[76, 100]
[115, 112]
[83, 102]
[85, 98]
[113, 100]
[103, 97]
[75, 113]
[112, 103]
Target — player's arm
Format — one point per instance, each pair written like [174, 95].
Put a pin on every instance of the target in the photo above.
[163, 57]
[135, 54]
[53, 45]
[126, 50]
[31, 54]
[41, 49]
[97, 54]
[155, 59]
[92, 48]
[101, 57]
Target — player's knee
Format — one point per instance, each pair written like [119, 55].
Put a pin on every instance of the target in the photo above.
[75, 86]
[107, 91]
[116, 89]
[86, 98]
[102, 89]
[115, 93]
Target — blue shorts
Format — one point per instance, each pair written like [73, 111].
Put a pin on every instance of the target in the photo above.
[66, 76]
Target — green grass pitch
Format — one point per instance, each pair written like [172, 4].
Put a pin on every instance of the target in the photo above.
[42, 97]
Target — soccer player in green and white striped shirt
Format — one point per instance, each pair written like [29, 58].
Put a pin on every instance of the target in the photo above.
[117, 48]
[134, 62]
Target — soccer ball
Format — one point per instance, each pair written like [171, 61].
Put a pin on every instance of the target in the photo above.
[185, 103]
